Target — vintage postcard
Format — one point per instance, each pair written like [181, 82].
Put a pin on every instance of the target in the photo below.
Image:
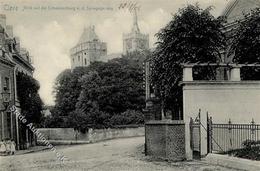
[129, 85]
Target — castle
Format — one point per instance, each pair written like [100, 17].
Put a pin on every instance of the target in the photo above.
[90, 48]
[135, 40]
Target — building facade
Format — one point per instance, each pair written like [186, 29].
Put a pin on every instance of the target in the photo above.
[135, 40]
[13, 59]
[88, 49]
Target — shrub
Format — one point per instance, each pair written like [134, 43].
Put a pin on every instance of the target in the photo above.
[128, 117]
[250, 150]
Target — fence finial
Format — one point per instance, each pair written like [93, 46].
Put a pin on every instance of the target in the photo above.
[252, 122]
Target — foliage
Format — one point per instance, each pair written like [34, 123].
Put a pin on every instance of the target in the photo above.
[90, 96]
[128, 117]
[114, 86]
[246, 43]
[250, 150]
[193, 35]
[30, 101]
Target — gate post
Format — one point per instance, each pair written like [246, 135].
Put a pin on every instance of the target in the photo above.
[191, 133]
[209, 133]
[230, 144]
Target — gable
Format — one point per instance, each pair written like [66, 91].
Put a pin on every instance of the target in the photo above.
[236, 9]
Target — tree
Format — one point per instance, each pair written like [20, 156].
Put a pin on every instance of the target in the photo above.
[193, 35]
[89, 96]
[246, 43]
[30, 101]
[66, 89]
[114, 86]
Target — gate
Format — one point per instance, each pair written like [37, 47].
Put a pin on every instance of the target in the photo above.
[195, 134]
[229, 136]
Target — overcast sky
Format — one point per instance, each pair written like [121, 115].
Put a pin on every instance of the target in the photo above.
[49, 28]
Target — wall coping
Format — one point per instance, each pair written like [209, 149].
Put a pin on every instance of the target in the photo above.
[165, 122]
[220, 85]
[197, 82]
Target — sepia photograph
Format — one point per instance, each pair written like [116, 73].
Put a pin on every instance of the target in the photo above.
[130, 85]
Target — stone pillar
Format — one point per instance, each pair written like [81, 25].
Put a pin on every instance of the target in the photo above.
[153, 109]
[235, 73]
[3, 20]
[187, 73]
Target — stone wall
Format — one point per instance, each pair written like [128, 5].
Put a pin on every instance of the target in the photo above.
[92, 135]
[165, 139]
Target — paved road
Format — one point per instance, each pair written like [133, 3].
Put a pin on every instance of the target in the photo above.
[120, 154]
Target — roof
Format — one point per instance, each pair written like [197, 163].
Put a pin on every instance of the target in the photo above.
[88, 35]
[236, 9]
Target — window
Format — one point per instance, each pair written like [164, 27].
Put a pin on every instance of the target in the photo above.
[7, 83]
[78, 58]
[85, 61]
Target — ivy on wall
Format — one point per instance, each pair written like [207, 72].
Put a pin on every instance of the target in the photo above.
[30, 101]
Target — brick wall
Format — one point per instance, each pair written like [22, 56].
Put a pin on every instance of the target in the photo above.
[165, 139]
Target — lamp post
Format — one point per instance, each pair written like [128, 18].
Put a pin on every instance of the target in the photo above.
[6, 96]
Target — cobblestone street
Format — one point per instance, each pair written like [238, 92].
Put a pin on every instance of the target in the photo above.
[120, 154]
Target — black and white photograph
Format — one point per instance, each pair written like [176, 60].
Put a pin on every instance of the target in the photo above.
[130, 85]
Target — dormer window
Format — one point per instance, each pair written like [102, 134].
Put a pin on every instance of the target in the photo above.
[10, 47]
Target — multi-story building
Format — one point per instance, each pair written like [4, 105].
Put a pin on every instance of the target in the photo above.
[88, 49]
[13, 59]
[135, 40]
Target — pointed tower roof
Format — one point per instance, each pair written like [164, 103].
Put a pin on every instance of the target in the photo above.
[236, 9]
[135, 27]
[88, 35]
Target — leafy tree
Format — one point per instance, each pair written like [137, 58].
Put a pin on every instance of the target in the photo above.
[246, 43]
[114, 87]
[193, 35]
[89, 96]
[30, 101]
[66, 89]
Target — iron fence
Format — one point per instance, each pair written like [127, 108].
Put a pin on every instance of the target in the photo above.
[225, 137]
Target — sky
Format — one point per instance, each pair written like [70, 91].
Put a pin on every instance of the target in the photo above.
[48, 29]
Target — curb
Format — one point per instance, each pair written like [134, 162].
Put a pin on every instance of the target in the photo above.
[233, 162]
[62, 142]
[32, 151]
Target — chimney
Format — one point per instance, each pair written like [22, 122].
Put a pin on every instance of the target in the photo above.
[17, 44]
[9, 30]
[3, 20]
[2, 36]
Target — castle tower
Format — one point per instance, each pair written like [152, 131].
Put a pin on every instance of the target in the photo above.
[135, 41]
[88, 49]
